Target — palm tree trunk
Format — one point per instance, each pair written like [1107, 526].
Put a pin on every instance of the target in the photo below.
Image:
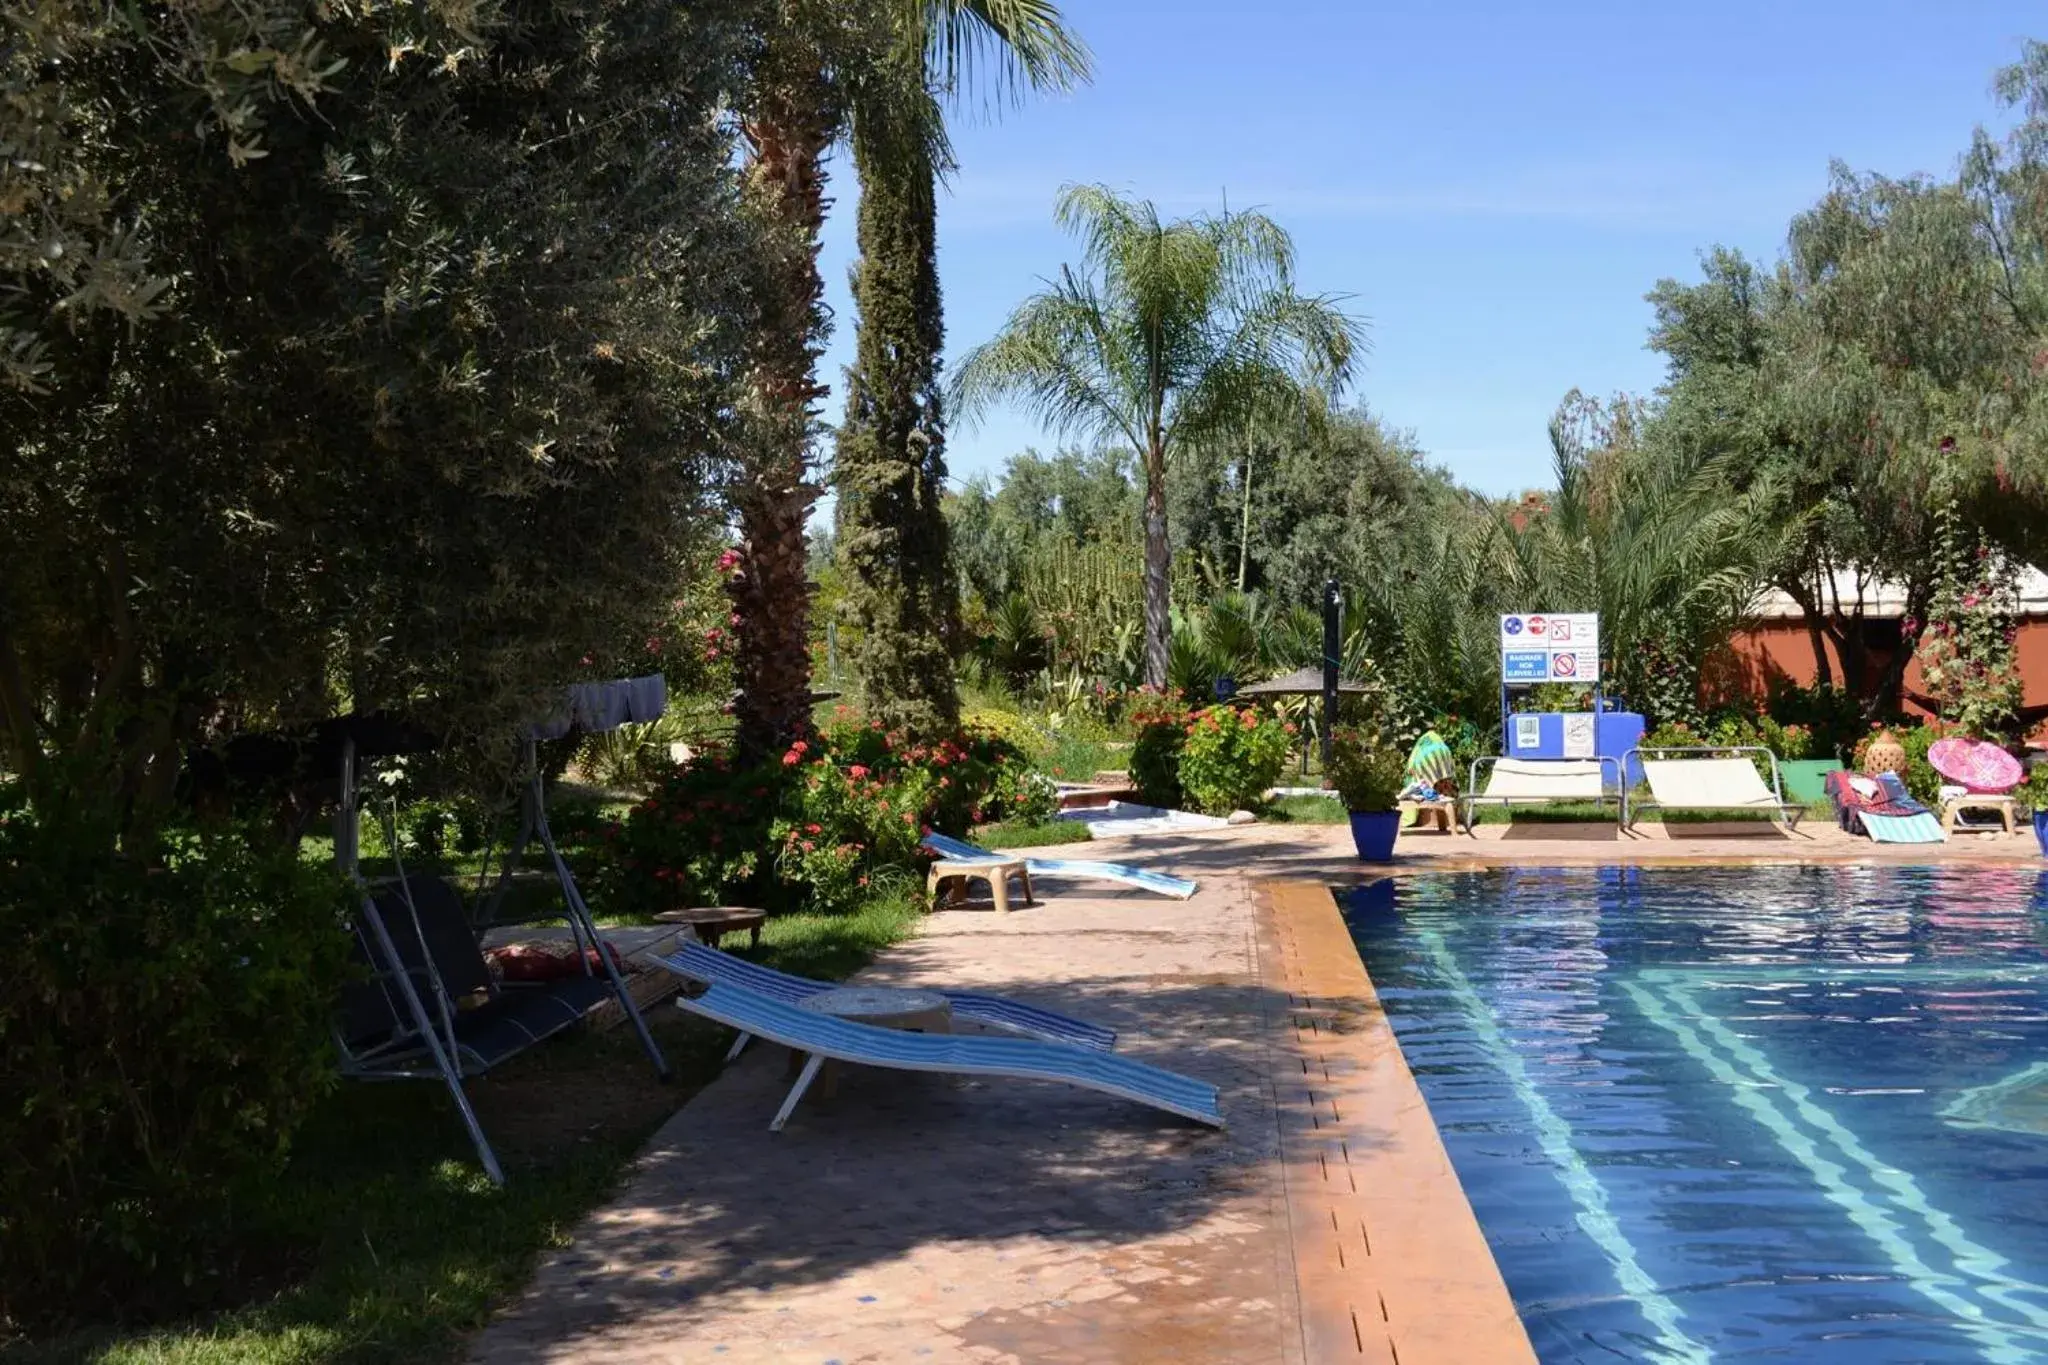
[774, 491]
[1158, 564]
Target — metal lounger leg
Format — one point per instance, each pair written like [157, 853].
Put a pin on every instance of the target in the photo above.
[812, 1065]
[739, 1045]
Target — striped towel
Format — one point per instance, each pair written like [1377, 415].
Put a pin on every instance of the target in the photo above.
[1430, 761]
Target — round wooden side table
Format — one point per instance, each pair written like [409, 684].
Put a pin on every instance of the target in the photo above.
[713, 922]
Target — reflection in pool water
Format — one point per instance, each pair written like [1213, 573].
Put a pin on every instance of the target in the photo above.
[1739, 1113]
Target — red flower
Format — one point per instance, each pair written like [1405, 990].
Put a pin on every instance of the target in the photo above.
[813, 829]
[789, 759]
[856, 772]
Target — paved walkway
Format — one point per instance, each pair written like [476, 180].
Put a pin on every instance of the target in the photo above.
[927, 1218]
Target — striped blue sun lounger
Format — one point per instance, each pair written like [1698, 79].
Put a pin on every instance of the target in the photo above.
[825, 1038]
[1180, 888]
[709, 965]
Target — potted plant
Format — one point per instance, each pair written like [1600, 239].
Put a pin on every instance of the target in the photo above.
[1368, 775]
[2033, 795]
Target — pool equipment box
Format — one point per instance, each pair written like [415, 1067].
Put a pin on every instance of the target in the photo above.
[1574, 734]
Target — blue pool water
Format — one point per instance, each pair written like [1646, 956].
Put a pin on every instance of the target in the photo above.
[1791, 1114]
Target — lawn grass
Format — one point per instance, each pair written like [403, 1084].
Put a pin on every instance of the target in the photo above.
[1304, 810]
[1075, 757]
[398, 1247]
[1010, 834]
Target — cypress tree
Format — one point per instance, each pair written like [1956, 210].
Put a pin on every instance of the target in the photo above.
[891, 467]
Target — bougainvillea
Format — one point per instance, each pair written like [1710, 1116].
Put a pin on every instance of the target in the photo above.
[1966, 654]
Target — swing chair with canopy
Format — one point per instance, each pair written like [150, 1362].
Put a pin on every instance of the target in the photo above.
[408, 1020]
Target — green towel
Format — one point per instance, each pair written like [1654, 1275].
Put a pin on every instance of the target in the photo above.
[1430, 761]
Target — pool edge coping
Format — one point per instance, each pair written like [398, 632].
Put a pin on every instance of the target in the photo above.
[1390, 1263]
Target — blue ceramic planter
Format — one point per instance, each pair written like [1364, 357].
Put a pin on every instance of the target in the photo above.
[1373, 832]
[2041, 831]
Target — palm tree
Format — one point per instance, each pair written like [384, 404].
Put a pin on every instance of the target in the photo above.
[819, 58]
[1170, 333]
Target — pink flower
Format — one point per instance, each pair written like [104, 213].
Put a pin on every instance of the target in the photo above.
[789, 759]
[813, 829]
[856, 772]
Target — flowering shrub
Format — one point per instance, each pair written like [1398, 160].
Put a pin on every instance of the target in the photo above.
[1966, 652]
[843, 826]
[1230, 758]
[1161, 726]
[696, 840]
[812, 828]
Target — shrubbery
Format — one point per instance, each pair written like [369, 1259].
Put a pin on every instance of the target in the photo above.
[1920, 778]
[1366, 771]
[1160, 727]
[163, 1030]
[1230, 758]
[812, 830]
[1734, 730]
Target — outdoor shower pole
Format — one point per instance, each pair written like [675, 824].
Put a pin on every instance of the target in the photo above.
[1333, 603]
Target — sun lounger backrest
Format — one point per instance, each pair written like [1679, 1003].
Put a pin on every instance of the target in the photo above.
[1706, 783]
[1557, 779]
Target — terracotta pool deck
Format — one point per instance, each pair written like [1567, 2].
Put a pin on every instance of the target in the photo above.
[927, 1218]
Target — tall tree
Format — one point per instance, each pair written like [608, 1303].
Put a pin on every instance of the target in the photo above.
[890, 470]
[1169, 333]
[820, 61]
[502, 300]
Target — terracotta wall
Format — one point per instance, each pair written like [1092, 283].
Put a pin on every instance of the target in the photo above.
[1783, 649]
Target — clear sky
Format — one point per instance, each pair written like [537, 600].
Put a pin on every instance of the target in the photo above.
[1495, 184]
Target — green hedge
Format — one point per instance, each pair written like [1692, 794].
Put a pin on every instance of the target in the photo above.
[164, 1027]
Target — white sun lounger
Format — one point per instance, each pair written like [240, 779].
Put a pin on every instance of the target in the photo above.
[709, 965]
[1710, 780]
[958, 850]
[1540, 781]
[840, 1040]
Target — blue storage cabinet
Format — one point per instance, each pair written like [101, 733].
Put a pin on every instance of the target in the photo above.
[1614, 734]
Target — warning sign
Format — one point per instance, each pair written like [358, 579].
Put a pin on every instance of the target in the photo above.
[1556, 648]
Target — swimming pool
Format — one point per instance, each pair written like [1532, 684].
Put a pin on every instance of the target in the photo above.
[1790, 1114]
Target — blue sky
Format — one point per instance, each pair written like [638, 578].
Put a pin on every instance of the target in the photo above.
[1495, 185]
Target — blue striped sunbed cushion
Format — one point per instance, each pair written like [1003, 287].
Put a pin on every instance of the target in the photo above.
[700, 963]
[957, 1054]
[1180, 888]
[1920, 828]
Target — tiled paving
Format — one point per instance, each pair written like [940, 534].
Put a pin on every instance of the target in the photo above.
[925, 1218]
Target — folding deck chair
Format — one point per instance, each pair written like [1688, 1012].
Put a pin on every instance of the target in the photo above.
[1716, 779]
[711, 966]
[840, 1040]
[1514, 782]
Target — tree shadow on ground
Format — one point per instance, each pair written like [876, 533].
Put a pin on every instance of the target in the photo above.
[898, 1169]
